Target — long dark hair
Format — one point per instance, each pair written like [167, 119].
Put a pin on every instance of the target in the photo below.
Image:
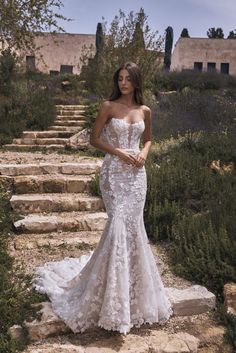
[136, 79]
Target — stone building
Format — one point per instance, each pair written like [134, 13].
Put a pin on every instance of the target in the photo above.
[59, 53]
[205, 54]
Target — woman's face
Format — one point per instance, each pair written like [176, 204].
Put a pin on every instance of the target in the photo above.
[124, 82]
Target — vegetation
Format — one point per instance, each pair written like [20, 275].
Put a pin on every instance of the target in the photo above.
[215, 33]
[184, 33]
[191, 203]
[24, 103]
[129, 38]
[15, 296]
[177, 81]
[168, 48]
[232, 35]
[22, 21]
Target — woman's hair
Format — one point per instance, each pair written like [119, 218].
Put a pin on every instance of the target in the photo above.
[136, 80]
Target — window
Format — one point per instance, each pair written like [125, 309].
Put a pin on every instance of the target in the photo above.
[53, 72]
[198, 66]
[211, 67]
[224, 68]
[30, 63]
[66, 69]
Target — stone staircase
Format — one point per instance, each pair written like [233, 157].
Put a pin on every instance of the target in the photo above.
[55, 198]
[69, 121]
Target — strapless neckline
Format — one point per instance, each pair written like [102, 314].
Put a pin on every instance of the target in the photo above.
[115, 118]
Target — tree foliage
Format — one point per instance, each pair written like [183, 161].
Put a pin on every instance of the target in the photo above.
[21, 21]
[215, 32]
[168, 47]
[232, 34]
[184, 33]
[129, 38]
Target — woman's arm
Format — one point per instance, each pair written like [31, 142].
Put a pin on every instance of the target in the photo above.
[146, 137]
[100, 121]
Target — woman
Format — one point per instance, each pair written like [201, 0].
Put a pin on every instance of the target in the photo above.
[118, 285]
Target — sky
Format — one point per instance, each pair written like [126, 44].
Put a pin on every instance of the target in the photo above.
[196, 15]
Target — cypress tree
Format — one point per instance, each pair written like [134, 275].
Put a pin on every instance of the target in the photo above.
[168, 48]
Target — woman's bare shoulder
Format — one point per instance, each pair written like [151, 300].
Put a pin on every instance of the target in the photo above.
[145, 109]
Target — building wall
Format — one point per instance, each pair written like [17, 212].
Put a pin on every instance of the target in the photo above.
[190, 50]
[60, 49]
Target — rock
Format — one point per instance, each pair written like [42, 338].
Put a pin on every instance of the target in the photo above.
[55, 348]
[193, 300]
[48, 324]
[182, 342]
[230, 297]
[16, 332]
[75, 221]
[122, 344]
[213, 335]
[81, 139]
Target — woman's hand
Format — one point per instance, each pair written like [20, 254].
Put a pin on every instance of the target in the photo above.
[137, 161]
[140, 159]
[126, 156]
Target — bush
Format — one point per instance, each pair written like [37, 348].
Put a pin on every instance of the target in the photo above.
[191, 110]
[15, 296]
[90, 113]
[28, 106]
[192, 205]
[176, 81]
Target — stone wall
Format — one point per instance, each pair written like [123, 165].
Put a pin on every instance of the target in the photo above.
[204, 50]
[59, 49]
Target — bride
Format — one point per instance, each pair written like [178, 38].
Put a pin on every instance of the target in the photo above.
[117, 286]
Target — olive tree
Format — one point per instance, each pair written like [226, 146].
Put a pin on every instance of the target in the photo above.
[21, 21]
[128, 38]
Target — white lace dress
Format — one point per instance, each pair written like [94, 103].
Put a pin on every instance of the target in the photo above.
[117, 286]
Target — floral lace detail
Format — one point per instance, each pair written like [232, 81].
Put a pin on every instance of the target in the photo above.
[117, 286]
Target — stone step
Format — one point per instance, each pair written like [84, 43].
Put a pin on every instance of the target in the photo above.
[33, 241]
[70, 117]
[38, 329]
[62, 222]
[70, 106]
[72, 129]
[52, 183]
[16, 147]
[82, 168]
[34, 203]
[70, 112]
[46, 134]
[40, 141]
[68, 122]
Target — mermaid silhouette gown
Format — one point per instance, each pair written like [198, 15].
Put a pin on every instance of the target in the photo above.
[117, 285]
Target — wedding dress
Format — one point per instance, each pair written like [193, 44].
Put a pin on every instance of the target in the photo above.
[117, 286]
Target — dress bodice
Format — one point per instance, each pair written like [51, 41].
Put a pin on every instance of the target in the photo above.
[121, 134]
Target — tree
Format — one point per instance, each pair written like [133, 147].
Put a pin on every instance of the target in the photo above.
[168, 48]
[232, 34]
[21, 21]
[215, 33]
[128, 38]
[99, 40]
[184, 33]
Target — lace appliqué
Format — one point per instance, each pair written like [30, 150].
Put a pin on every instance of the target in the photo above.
[117, 286]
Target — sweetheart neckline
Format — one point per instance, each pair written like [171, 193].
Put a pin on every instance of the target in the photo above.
[137, 122]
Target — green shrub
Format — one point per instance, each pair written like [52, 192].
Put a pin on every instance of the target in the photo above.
[193, 206]
[191, 110]
[15, 296]
[90, 113]
[176, 80]
[27, 107]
